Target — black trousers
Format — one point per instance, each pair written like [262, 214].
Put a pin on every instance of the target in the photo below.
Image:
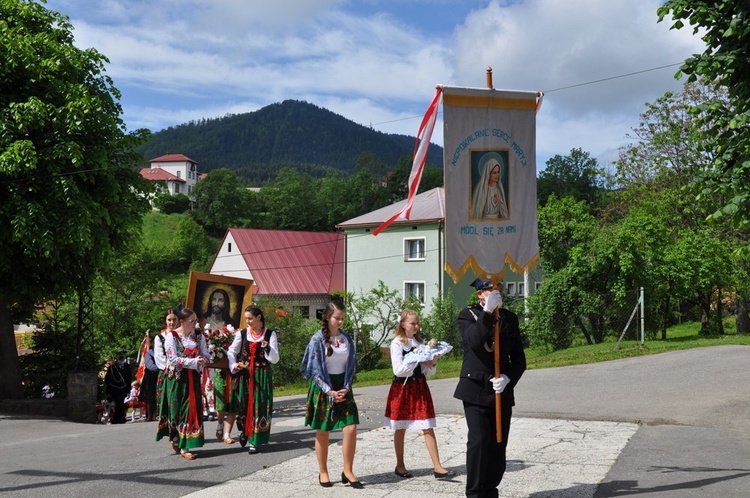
[118, 398]
[485, 457]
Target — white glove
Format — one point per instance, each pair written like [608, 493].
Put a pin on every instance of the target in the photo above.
[494, 300]
[499, 383]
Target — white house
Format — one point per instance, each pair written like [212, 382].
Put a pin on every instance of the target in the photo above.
[177, 172]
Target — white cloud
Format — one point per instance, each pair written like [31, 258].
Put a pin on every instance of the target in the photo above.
[378, 62]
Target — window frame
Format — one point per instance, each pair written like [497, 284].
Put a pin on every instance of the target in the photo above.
[408, 246]
[420, 284]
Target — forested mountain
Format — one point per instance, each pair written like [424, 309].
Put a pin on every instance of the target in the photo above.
[291, 133]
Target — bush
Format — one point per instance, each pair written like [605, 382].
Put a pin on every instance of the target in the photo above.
[293, 332]
[442, 323]
[171, 204]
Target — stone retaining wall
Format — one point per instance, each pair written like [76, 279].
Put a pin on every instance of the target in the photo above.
[79, 406]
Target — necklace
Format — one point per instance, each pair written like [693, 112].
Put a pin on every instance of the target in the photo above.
[336, 340]
[256, 335]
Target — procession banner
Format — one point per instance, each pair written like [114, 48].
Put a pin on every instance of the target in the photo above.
[490, 180]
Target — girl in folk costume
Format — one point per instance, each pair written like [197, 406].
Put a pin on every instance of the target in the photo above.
[409, 404]
[222, 383]
[328, 364]
[251, 355]
[186, 354]
[163, 411]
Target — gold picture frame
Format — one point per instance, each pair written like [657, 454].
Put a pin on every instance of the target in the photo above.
[237, 292]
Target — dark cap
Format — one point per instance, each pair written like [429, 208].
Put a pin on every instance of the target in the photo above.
[121, 354]
[480, 284]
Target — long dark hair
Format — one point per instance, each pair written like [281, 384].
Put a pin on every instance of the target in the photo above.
[225, 316]
[256, 311]
[332, 307]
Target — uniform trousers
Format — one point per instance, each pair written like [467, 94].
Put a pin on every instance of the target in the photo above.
[485, 457]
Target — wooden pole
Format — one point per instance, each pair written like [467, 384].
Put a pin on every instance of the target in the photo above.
[498, 396]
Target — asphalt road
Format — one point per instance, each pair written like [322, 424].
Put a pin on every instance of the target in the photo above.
[694, 407]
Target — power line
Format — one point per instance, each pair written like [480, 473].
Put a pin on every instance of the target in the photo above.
[612, 78]
[561, 88]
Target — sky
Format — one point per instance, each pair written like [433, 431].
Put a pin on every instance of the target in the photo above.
[377, 62]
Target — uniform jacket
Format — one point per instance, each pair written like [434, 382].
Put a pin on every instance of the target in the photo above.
[477, 330]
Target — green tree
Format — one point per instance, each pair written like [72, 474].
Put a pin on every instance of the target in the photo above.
[219, 202]
[333, 199]
[668, 154]
[442, 322]
[668, 148]
[366, 193]
[68, 179]
[577, 175]
[291, 201]
[170, 204]
[192, 247]
[562, 225]
[724, 26]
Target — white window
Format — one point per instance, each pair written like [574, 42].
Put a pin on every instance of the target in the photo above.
[176, 188]
[414, 249]
[511, 286]
[415, 289]
[179, 174]
[537, 285]
[521, 288]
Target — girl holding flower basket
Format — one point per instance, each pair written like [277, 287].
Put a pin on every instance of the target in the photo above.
[409, 404]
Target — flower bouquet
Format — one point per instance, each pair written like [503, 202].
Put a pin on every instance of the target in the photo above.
[218, 341]
[427, 352]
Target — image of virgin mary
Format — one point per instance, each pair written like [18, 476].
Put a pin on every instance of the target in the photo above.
[489, 200]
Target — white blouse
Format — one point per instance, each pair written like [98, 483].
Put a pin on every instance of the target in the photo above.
[272, 355]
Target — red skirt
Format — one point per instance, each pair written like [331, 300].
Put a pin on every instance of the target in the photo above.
[409, 405]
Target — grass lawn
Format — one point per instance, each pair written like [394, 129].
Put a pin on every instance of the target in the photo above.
[684, 336]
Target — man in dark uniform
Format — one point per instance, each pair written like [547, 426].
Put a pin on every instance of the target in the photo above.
[477, 385]
[117, 381]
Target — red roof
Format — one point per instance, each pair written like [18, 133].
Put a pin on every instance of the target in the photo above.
[158, 174]
[172, 158]
[291, 262]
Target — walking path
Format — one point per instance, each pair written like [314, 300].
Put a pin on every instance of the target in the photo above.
[546, 457]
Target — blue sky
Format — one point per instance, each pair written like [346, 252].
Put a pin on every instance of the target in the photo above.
[377, 62]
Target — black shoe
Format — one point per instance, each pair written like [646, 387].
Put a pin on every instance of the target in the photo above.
[405, 475]
[354, 484]
[243, 439]
[327, 484]
[446, 475]
[252, 449]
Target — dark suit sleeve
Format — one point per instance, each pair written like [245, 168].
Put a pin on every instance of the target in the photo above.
[513, 354]
[475, 332]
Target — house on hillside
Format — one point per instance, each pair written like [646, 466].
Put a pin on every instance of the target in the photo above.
[299, 269]
[176, 172]
[410, 255]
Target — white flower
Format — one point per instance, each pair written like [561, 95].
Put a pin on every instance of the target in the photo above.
[230, 328]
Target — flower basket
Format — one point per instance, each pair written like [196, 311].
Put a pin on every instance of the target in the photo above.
[218, 342]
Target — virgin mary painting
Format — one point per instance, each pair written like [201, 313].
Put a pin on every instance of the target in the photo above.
[488, 200]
